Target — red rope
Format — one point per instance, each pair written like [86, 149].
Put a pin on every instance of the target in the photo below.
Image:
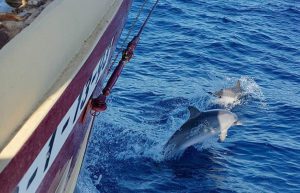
[129, 31]
[99, 103]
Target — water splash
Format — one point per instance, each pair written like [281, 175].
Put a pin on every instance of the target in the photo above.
[253, 90]
[171, 152]
[127, 142]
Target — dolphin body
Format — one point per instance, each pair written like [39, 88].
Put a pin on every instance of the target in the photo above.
[199, 127]
[229, 96]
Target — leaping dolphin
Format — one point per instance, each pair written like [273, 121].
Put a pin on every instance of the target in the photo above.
[228, 96]
[198, 128]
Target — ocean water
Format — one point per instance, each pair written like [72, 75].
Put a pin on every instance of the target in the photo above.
[190, 48]
[4, 7]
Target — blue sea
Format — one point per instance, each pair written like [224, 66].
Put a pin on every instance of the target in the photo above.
[190, 48]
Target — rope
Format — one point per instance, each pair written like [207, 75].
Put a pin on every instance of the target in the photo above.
[99, 103]
[129, 31]
[149, 15]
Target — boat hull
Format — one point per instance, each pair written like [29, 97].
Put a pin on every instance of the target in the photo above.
[50, 159]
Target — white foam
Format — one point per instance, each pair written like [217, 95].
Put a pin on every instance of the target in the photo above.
[252, 89]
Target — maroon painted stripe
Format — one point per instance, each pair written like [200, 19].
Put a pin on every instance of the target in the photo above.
[13, 173]
[69, 150]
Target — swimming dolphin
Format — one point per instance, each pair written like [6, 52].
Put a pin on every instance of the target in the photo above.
[228, 96]
[199, 127]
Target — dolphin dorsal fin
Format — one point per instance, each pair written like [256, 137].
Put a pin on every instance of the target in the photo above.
[238, 85]
[193, 112]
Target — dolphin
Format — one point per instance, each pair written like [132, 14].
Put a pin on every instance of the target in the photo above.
[199, 127]
[228, 96]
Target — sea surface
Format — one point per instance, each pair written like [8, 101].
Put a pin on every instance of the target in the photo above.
[190, 48]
